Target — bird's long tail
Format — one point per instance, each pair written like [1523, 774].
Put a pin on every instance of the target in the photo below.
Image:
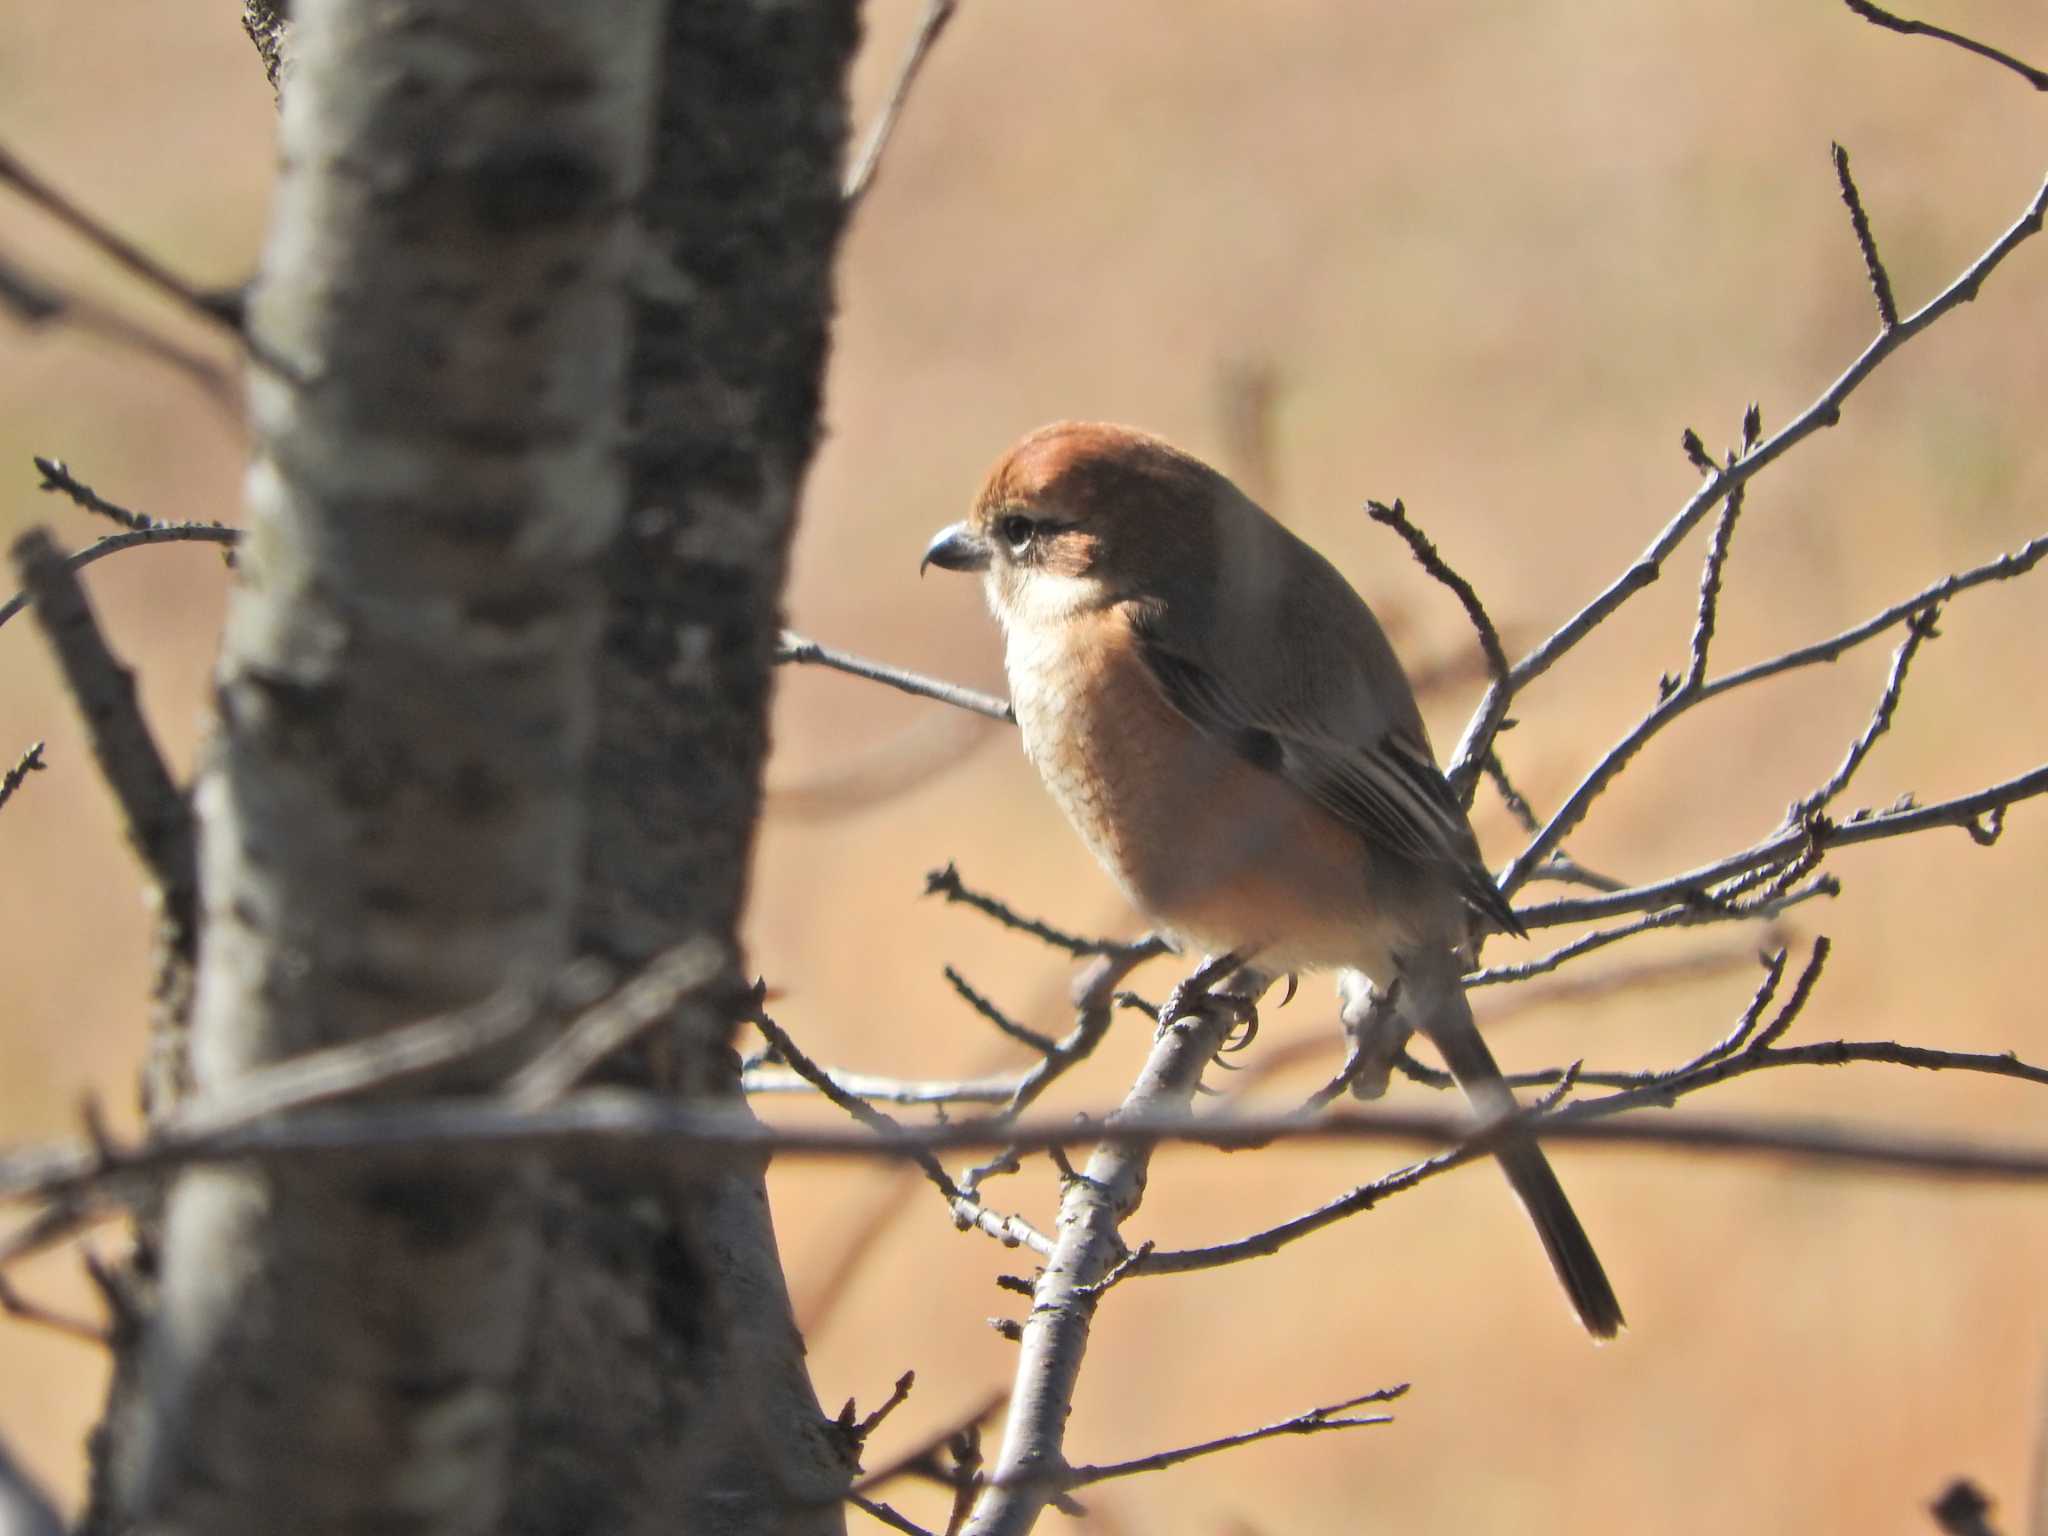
[1445, 1017]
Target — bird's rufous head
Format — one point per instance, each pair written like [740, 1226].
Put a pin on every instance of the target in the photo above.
[1080, 515]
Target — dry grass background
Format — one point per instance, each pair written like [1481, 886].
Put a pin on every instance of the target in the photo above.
[1496, 256]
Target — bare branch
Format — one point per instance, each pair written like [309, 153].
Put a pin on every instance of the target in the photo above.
[1919, 628]
[1309, 1423]
[868, 163]
[159, 822]
[1045, 1045]
[994, 1089]
[608, 1028]
[2037, 78]
[887, 1516]
[1705, 907]
[159, 533]
[968, 1211]
[58, 477]
[884, 1125]
[1979, 814]
[1426, 555]
[1866, 242]
[223, 309]
[18, 1306]
[1031, 1465]
[1683, 697]
[795, 650]
[1710, 588]
[624, 1128]
[922, 1458]
[1825, 411]
[36, 302]
[946, 882]
[898, 1395]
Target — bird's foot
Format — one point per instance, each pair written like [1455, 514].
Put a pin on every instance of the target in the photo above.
[1203, 995]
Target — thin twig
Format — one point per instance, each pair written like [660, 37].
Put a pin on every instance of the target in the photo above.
[884, 1125]
[18, 1306]
[628, 1129]
[947, 883]
[868, 163]
[609, 1027]
[921, 1456]
[35, 302]
[57, 477]
[161, 533]
[1866, 242]
[29, 762]
[1045, 1045]
[1677, 701]
[1794, 1005]
[224, 309]
[1425, 552]
[1691, 909]
[1919, 629]
[1711, 570]
[2037, 78]
[1309, 1423]
[968, 1210]
[899, 1394]
[887, 1516]
[794, 650]
[994, 1089]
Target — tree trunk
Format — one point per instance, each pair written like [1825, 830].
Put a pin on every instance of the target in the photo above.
[428, 783]
[393, 804]
[668, 1392]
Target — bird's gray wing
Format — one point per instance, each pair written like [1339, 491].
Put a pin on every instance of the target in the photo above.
[1374, 772]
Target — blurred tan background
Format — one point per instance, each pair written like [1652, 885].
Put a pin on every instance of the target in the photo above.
[1494, 257]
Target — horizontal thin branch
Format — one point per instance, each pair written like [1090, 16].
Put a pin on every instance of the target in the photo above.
[947, 883]
[617, 1126]
[794, 650]
[994, 1089]
[1877, 16]
[159, 533]
[1978, 814]
[1312, 1422]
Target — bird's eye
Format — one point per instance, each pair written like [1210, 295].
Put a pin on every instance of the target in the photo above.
[1016, 531]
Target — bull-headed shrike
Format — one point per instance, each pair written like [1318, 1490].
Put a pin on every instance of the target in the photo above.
[1221, 718]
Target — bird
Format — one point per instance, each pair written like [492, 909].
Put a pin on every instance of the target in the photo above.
[1224, 723]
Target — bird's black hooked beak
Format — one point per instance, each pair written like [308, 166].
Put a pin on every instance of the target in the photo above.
[956, 548]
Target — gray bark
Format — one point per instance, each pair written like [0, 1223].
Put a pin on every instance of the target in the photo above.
[393, 803]
[674, 1395]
